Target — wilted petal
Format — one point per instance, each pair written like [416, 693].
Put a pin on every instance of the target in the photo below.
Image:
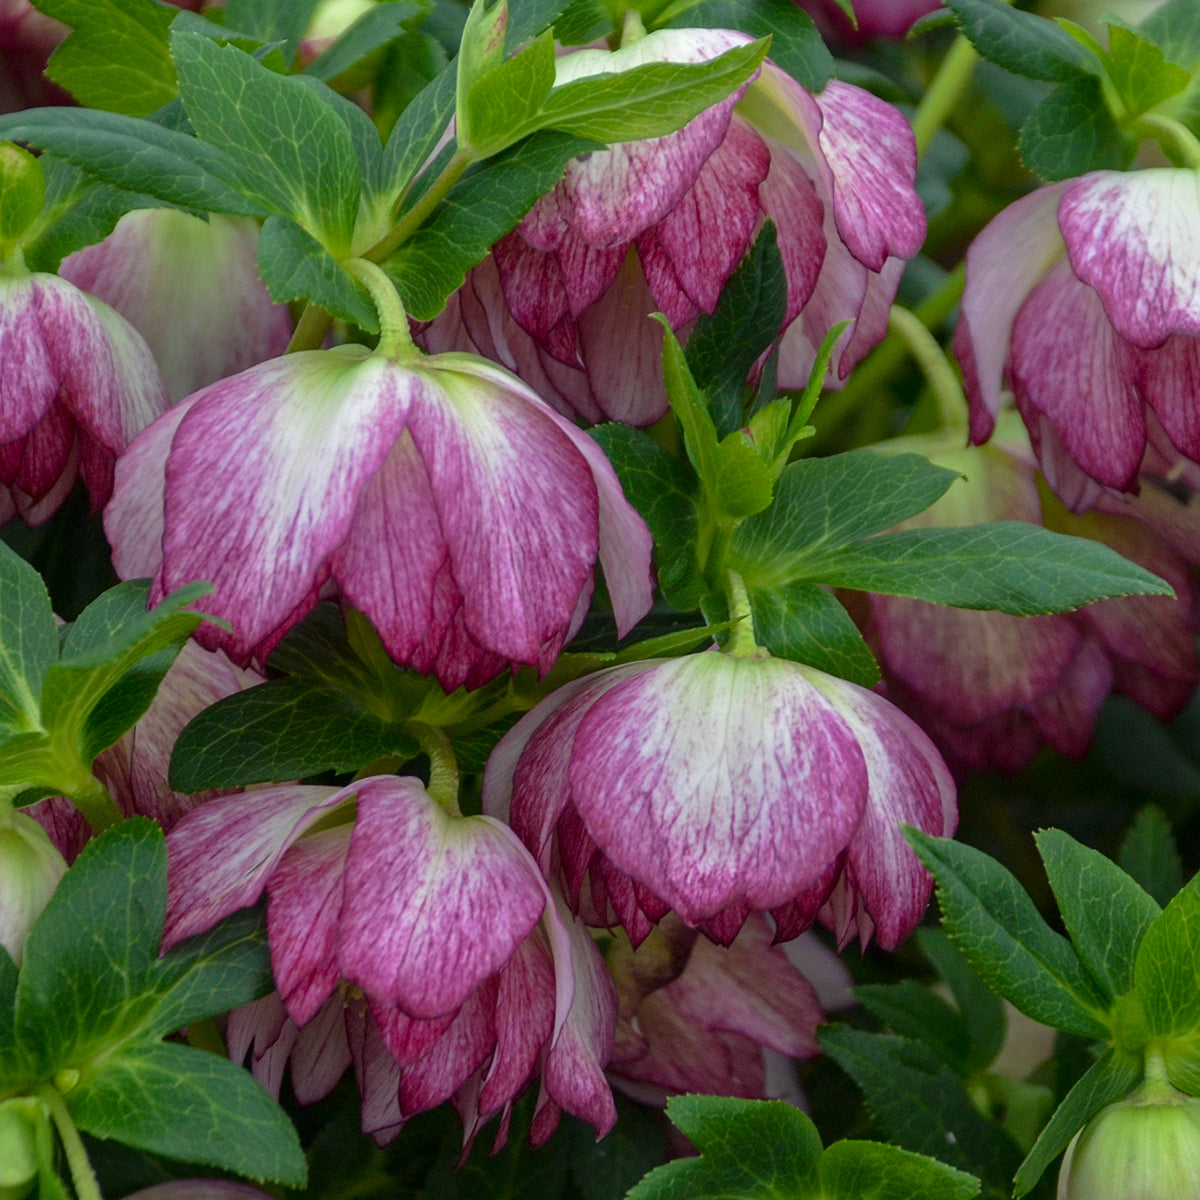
[1134, 237]
[263, 1030]
[702, 824]
[434, 904]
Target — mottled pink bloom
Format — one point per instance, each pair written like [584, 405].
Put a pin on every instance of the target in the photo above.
[438, 495]
[715, 786]
[424, 947]
[1084, 299]
[875, 18]
[78, 383]
[564, 300]
[222, 322]
[990, 688]
[695, 1017]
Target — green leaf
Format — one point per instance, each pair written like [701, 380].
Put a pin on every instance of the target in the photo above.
[295, 266]
[1148, 853]
[1011, 566]
[485, 204]
[293, 154]
[279, 730]
[89, 958]
[373, 30]
[12, 1066]
[527, 18]
[28, 643]
[136, 155]
[1022, 42]
[1110, 1078]
[919, 1102]
[994, 923]
[821, 504]
[1140, 71]
[915, 1012]
[647, 101]
[509, 97]
[663, 490]
[796, 43]
[1106, 913]
[804, 622]
[110, 637]
[1072, 131]
[272, 20]
[1174, 27]
[364, 137]
[1167, 968]
[117, 58]
[852, 1170]
[979, 1007]
[28, 760]
[722, 348]
[750, 1150]
[417, 132]
[480, 52]
[190, 1105]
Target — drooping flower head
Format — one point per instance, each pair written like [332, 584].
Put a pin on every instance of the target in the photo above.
[1083, 299]
[459, 976]
[714, 786]
[438, 495]
[661, 224]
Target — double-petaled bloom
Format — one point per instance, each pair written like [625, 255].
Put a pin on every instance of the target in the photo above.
[1084, 299]
[564, 300]
[424, 946]
[715, 786]
[437, 495]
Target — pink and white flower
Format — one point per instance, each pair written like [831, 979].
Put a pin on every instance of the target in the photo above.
[438, 495]
[716, 786]
[1083, 299]
[226, 321]
[564, 300]
[873, 18]
[78, 383]
[433, 933]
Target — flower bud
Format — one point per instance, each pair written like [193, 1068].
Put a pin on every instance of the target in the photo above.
[18, 1147]
[22, 192]
[1147, 1147]
[30, 868]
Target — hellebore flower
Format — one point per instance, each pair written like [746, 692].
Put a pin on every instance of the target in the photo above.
[874, 18]
[78, 383]
[715, 785]
[695, 1017]
[991, 688]
[462, 978]
[226, 322]
[1083, 299]
[439, 496]
[661, 224]
[30, 868]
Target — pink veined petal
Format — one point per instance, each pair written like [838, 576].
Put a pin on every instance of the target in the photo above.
[1085, 383]
[407, 1038]
[303, 908]
[455, 1057]
[263, 1030]
[909, 784]
[1133, 237]
[787, 195]
[714, 780]
[281, 453]
[434, 905]
[520, 574]
[222, 853]
[45, 458]
[321, 1053]
[703, 238]
[376, 1073]
[390, 559]
[31, 377]
[874, 312]
[1004, 264]
[133, 518]
[1169, 378]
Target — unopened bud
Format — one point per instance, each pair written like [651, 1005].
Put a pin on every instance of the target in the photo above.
[22, 192]
[30, 868]
[1147, 1147]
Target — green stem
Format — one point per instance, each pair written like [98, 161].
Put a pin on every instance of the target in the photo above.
[931, 358]
[311, 329]
[741, 642]
[92, 799]
[395, 339]
[415, 217]
[443, 766]
[1171, 135]
[944, 92]
[82, 1176]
